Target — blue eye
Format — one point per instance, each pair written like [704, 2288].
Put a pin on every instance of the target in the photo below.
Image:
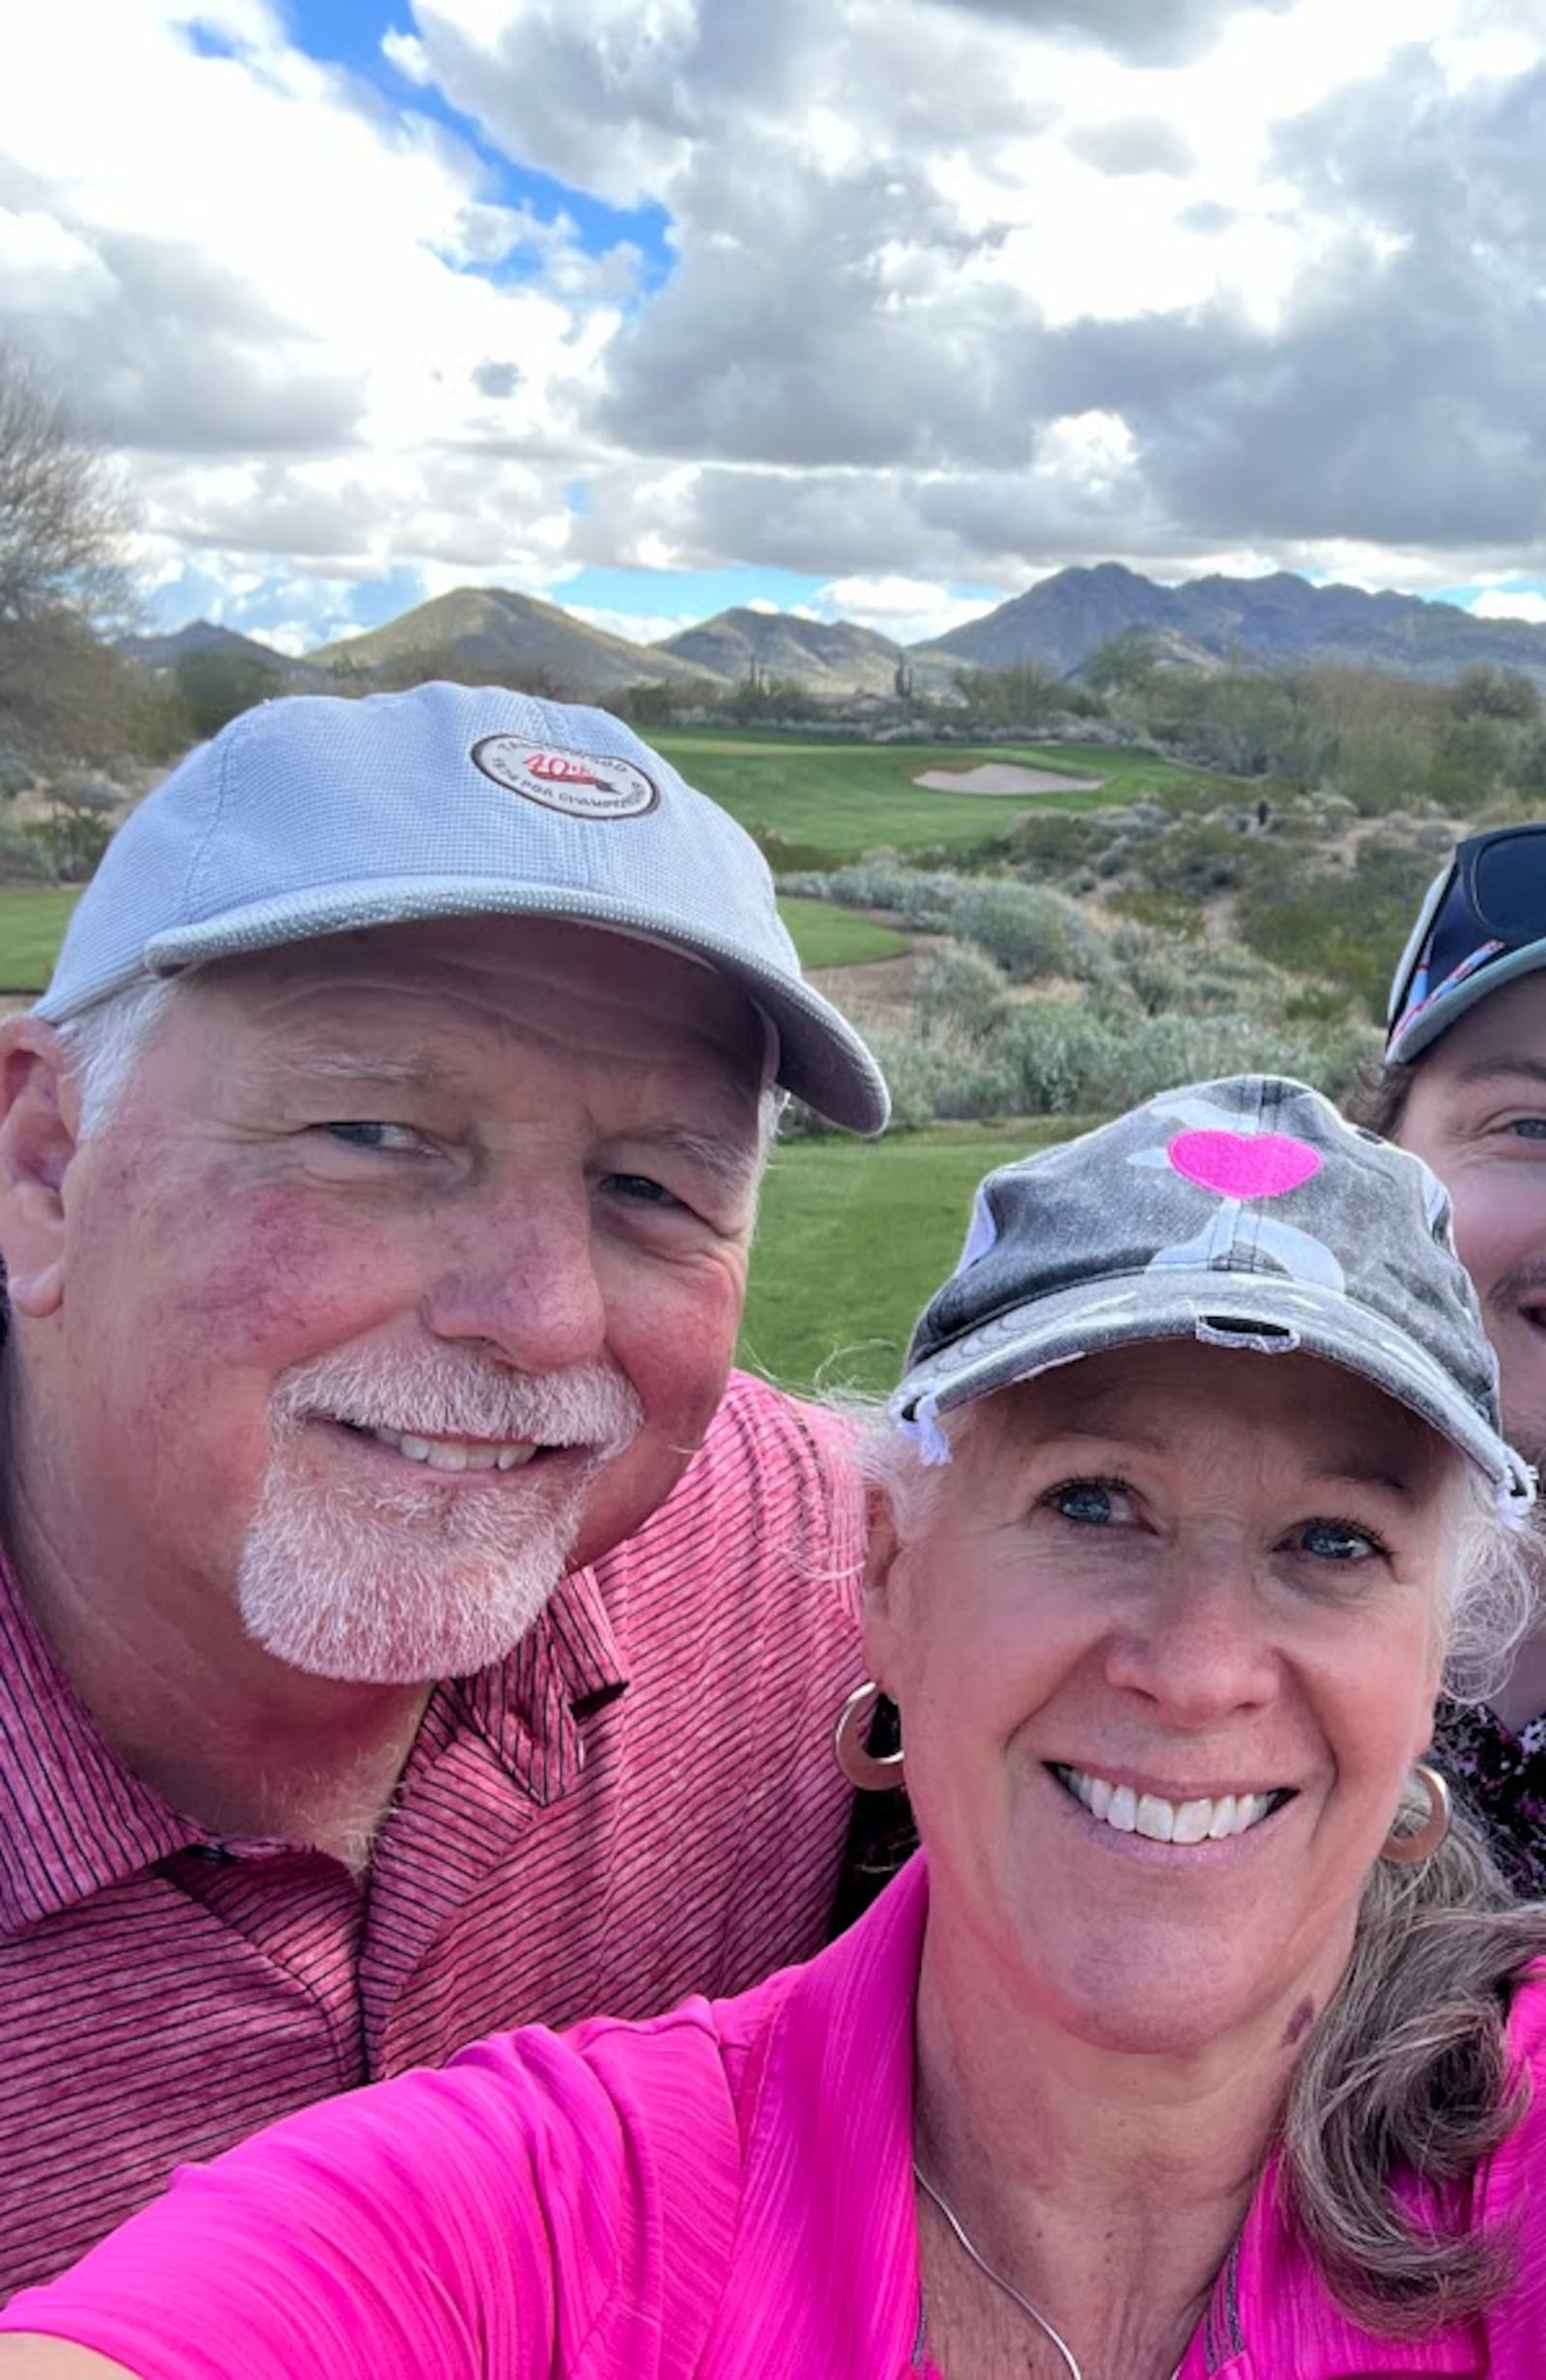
[1337, 1541]
[640, 1187]
[1095, 1503]
[372, 1136]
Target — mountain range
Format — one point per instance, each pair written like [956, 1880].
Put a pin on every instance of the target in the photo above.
[1273, 623]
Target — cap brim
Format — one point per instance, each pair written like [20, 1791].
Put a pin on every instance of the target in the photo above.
[1272, 1315]
[822, 1059]
[1410, 1040]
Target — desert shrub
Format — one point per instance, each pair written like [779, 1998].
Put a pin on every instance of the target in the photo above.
[1166, 1050]
[1030, 930]
[918, 1072]
[1049, 842]
[1150, 969]
[15, 772]
[1244, 721]
[922, 897]
[24, 859]
[978, 1088]
[1342, 927]
[1171, 913]
[1061, 1055]
[1022, 696]
[1331, 1056]
[921, 1074]
[1198, 859]
[1494, 693]
[960, 990]
[1530, 761]
[1473, 762]
[216, 685]
[1379, 765]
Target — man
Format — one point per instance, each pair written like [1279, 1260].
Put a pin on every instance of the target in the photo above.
[1464, 1085]
[403, 1631]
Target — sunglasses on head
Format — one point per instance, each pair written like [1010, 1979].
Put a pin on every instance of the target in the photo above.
[1490, 901]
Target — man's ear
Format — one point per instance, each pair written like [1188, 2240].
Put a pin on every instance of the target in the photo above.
[40, 1115]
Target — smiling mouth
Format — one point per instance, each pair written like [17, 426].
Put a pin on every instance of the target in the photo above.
[452, 1454]
[1209, 1819]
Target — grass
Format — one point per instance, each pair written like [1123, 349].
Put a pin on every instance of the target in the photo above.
[828, 936]
[854, 1236]
[32, 919]
[833, 801]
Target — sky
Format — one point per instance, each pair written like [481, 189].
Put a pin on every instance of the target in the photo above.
[873, 309]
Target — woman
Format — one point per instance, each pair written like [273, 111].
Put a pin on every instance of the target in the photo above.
[1193, 2043]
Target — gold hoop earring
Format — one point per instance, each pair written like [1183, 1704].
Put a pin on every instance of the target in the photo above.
[1405, 1851]
[858, 1764]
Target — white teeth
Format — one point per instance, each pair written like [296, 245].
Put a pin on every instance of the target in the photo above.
[452, 1454]
[1167, 1821]
[1192, 1821]
[1156, 1819]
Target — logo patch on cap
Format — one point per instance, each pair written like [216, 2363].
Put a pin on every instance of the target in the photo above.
[583, 785]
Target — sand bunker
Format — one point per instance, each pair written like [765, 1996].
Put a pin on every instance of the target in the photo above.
[1003, 777]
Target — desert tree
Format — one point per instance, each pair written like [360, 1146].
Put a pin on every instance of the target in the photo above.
[63, 521]
[65, 582]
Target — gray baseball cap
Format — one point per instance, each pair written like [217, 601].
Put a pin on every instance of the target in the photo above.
[1244, 1212]
[317, 813]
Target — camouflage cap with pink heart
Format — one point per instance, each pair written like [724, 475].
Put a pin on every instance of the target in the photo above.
[1244, 1212]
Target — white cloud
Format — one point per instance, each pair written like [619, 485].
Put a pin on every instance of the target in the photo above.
[1521, 603]
[406, 52]
[909, 611]
[1237, 283]
[324, 303]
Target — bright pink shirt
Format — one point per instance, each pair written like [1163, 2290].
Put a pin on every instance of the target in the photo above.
[721, 2194]
[641, 1802]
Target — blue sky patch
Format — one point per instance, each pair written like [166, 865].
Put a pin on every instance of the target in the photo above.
[349, 33]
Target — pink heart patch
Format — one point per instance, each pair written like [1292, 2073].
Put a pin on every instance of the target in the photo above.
[1260, 1165]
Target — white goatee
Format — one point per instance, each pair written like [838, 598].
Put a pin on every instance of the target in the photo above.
[403, 1581]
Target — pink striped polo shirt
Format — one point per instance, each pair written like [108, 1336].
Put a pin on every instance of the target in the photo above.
[722, 2194]
[641, 1802]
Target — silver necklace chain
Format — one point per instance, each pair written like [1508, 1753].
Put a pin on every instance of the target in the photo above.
[959, 2233]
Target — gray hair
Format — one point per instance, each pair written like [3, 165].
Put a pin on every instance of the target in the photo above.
[106, 1043]
[1407, 2069]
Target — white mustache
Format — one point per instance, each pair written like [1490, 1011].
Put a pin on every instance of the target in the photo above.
[432, 1393]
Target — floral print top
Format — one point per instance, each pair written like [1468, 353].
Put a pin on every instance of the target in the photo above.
[1501, 1777]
